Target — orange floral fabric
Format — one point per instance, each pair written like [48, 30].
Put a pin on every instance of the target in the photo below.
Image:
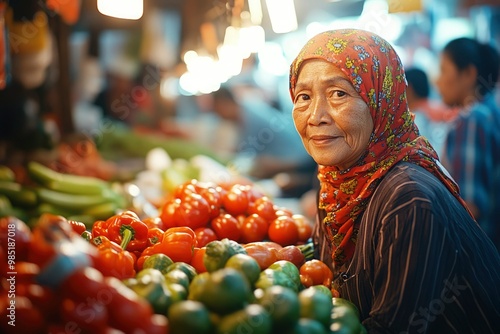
[378, 76]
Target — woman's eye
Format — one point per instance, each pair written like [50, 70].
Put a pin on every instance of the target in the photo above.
[303, 97]
[339, 93]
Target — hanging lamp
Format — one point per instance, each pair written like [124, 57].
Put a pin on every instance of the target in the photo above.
[123, 9]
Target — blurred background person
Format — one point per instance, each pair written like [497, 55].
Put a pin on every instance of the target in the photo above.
[468, 77]
[432, 117]
[260, 138]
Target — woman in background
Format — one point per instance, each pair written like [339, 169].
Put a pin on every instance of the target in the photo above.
[469, 73]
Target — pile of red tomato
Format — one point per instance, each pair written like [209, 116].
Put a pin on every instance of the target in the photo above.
[238, 212]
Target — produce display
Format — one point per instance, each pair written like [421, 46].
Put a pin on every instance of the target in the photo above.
[218, 258]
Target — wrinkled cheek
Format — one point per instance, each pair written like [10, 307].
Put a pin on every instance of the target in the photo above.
[300, 123]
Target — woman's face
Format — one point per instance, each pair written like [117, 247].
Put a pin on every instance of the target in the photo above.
[334, 122]
[453, 85]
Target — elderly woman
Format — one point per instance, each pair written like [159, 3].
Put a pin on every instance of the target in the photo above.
[391, 223]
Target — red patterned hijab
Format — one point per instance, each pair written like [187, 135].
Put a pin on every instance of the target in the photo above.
[378, 76]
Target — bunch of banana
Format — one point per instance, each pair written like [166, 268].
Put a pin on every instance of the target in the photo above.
[74, 195]
[13, 197]
[15, 193]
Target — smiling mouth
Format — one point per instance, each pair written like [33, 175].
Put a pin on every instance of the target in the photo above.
[321, 140]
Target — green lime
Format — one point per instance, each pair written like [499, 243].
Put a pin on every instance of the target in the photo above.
[336, 301]
[314, 304]
[185, 267]
[226, 291]
[269, 277]
[289, 269]
[245, 264]
[177, 291]
[158, 261]
[177, 276]
[344, 319]
[198, 285]
[253, 318]
[282, 304]
[308, 326]
[150, 274]
[324, 289]
[189, 317]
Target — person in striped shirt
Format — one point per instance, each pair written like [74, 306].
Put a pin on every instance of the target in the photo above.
[467, 79]
[391, 223]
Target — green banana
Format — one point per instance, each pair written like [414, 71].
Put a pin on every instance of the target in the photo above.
[53, 209]
[7, 174]
[73, 201]
[18, 194]
[67, 183]
[5, 206]
[102, 211]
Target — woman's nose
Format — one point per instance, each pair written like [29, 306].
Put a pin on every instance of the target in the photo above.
[319, 112]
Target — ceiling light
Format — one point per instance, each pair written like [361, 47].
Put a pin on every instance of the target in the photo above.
[282, 15]
[122, 9]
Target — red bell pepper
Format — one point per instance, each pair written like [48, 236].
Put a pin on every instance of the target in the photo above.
[154, 222]
[155, 234]
[99, 228]
[126, 229]
[178, 243]
[113, 260]
[77, 226]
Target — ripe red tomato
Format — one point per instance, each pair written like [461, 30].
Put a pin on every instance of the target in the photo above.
[264, 256]
[251, 192]
[264, 207]
[226, 226]
[204, 235]
[305, 227]
[184, 189]
[293, 254]
[241, 220]
[193, 211]
[213, 197]
[235, 200]
[254, 228]
[283, 231]
[169, 213]
[282, 211]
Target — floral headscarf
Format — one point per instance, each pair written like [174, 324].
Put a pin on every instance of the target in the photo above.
[378, 76]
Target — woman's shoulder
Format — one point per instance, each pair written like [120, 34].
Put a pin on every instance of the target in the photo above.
[407, 186]
[485, 112]
[406, 176]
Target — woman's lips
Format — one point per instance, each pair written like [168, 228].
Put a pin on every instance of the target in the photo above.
[322, 139]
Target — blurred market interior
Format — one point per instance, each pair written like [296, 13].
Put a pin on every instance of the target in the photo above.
[162, 59]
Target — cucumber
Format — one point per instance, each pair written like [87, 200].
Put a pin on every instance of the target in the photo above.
[17, 194]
